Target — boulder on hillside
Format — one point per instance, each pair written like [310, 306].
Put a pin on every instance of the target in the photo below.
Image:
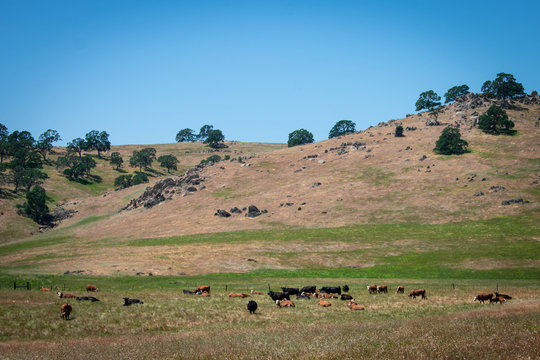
[235, 210]
[253, 211]
[222, 213]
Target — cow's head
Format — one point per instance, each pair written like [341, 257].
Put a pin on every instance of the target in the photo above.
[59, 294]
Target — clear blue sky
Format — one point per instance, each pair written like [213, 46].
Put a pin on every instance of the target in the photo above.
[257, 70]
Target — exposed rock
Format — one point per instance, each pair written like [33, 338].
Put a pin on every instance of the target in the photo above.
[424, 157]
[315, 184]
[236, 210]
[497, 188]
[59, 213]
[410, 128]
[154, 195]
[432, 122]
[480, 193]
[515, 201]
[222, 213]
[253, 211]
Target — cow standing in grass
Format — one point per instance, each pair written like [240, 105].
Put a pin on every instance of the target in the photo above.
[483, 297]
[65, 311]
[417, 292]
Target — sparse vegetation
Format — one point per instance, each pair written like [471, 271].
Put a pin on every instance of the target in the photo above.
[211, 159]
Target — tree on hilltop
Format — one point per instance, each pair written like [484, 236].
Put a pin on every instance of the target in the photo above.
[429, 100]
[342, 127]
[300, 137]
[45, 142]
[503, 87]
[98, 141]
[77, 145]
[454, 92]
[203, 133]
[186, 135]
[214, 138]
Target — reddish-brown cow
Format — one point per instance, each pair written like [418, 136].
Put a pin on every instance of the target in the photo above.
[372, 289]
[418, 292]
[400, 289]
[92, 288]
[65, 310]
[483, 297]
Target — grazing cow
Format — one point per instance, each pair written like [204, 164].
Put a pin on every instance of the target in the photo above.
[331, 289]
[382, 289]
[354, 306]
[252, 306]
[324, 303]
[497, 299]
[418, 292]
[45, 289]
[346, 297]
[128, 301]
[239, 295]
[62, 295]
[65, 310]
[87, 298]
[203, 288]
[345, 288]
[92, 288]
[400, 289]
[284, 303]
[372, 289]
[302, 296]
[507, 297]
[256, 292]
[291, 291]
[308, 289]
[483, 297]
[187, 292]
[279, 295]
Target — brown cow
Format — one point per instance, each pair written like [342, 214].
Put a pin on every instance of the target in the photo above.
[372, 289]
[65, 296]
[400, 289]
[326, 296]
[325, 303]
[65, 310]
[253, 292]
[418, 292]
[203, 288]
[92, 288]
[483, 297]
[204, 294]
[382, 289]
[239, 295]
[284, 303]
[45, 289]
[354, 306]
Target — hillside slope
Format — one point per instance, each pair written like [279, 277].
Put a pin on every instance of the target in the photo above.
[369, 177]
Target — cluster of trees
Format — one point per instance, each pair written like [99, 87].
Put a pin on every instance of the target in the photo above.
[494, 121]
[125, 181]
[21, 164]
[207, 134]
[93, 140]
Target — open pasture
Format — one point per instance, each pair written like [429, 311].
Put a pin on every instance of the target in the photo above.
[171, 324]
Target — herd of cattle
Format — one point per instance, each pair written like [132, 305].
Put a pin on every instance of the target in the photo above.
[283, 298]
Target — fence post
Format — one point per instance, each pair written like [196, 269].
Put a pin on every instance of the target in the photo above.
[14, 285]
[226, 287]
[27, 285]
[453, 287]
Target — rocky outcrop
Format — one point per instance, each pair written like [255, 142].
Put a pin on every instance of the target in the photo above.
[164, 189]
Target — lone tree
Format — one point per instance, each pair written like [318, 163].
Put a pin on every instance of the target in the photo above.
[495, 121]
[300, 137]
[116, 160]
[503, 87]
[342, 127]
[169, 162]
[399, 131]
[35, 206]
[3, 142]
[186, 135]
[99, 141]
[450, 142]
[214, 138]
[142, 158]
[429, 100]
[455, 92]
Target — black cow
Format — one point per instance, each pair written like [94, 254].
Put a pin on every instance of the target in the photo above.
[279, 295]
[252, 306]
[345, 288]
[291, 291]
[298, 297]
[87, 298]
[331, 289]
[346, 297]
[508, 297]
[128, 301]
[188, 292]
[308, 289]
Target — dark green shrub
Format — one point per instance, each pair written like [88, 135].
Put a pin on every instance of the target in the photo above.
[140, 178]
[450, 142]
